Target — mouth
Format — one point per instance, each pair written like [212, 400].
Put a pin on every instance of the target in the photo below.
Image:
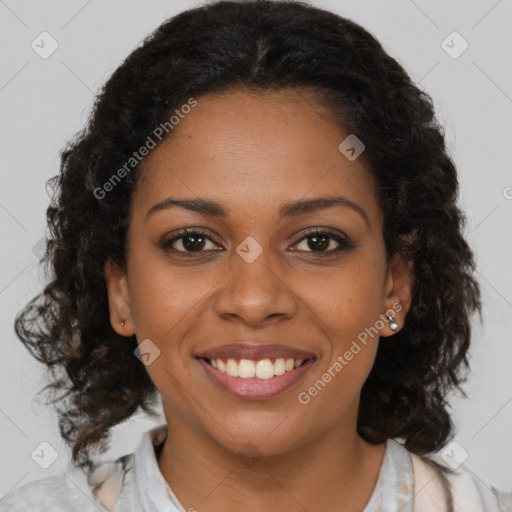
[255, 379]
[262, 369]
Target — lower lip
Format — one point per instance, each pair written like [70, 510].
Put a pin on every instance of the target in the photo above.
[254, 388]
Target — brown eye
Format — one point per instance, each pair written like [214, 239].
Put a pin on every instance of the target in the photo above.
[188, 242]
[322, 241]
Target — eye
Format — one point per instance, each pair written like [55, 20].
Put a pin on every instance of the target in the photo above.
[188, 240]
[321, 239]
[193, 240]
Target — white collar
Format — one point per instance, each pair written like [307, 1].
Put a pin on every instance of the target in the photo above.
[153, 489]
[394, 484]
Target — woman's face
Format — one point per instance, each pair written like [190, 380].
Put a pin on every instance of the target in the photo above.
[253, 272]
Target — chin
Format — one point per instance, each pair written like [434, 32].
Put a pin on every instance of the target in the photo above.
[261, 434]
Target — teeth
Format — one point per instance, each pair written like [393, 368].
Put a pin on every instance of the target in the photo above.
[246, 369]
[263, 369]
[232, 368]
[279, 367]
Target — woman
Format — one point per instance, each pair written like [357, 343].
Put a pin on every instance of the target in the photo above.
[258, 225]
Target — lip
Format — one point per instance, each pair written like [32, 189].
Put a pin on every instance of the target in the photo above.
[254, 352]
[254, 388]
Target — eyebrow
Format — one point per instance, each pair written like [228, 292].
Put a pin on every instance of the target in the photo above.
[211, 208]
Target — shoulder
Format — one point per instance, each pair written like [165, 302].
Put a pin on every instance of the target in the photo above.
[436, 484]
[92, 488]
[66, 491]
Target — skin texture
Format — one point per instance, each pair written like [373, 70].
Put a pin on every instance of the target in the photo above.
[254, 152]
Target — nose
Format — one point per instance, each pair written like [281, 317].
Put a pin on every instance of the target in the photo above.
[255, 293]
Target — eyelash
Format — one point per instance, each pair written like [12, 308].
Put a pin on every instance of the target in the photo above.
[343, 241]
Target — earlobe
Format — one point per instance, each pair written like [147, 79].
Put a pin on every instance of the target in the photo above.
[397, 294]
[118, 299]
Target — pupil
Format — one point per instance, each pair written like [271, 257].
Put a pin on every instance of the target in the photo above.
[322, 245]
[195, 244]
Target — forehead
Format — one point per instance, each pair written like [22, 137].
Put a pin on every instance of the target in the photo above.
[255, 151]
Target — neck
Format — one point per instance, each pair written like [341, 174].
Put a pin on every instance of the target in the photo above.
[338, 470]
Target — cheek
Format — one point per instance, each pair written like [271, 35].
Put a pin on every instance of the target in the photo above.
[348, 306]
[165, 305]
[347, 298]
[164, 299]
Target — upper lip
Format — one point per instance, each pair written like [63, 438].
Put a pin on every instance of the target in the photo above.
[254, 352]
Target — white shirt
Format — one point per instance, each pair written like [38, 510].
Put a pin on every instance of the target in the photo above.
[134, 483]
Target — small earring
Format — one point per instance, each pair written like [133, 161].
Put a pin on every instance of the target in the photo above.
[392, 323]
[122, 323]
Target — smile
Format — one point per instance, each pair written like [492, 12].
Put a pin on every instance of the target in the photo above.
[255, 379]
[262, 369]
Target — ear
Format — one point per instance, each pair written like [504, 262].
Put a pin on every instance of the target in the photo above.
[118, 299]
[397, 293]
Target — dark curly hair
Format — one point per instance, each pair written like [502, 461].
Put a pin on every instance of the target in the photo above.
[257, 45]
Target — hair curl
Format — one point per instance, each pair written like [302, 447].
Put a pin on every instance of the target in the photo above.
[260, 45]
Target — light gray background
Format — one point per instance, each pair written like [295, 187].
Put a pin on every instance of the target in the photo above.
[43, 102]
